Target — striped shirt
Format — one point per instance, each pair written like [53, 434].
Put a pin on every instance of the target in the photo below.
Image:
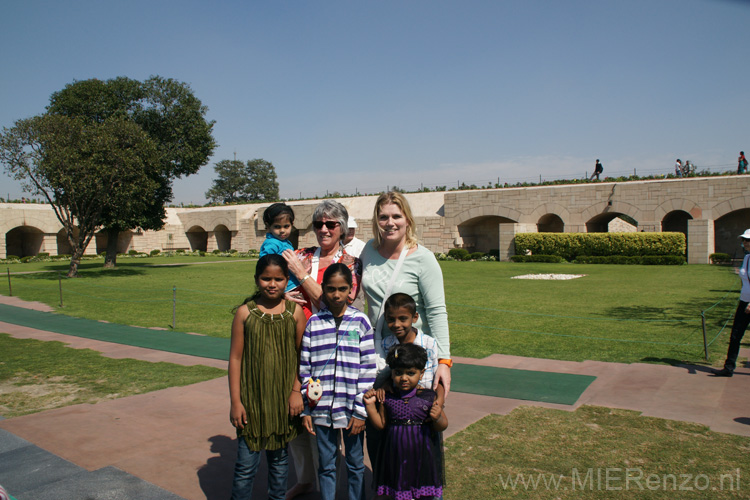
[344, 361]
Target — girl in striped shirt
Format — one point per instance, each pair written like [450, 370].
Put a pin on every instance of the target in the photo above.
[337, 353]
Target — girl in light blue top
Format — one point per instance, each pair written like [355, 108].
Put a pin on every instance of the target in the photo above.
[279, 221]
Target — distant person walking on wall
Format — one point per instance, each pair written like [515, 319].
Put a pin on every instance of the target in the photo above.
[678, 168]
[741, 163]
[689, 169]
[598, 169]
[742, 316]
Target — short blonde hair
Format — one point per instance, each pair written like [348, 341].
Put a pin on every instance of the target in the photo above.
[398, 199]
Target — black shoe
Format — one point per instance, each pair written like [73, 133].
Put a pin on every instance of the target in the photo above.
[724, 372]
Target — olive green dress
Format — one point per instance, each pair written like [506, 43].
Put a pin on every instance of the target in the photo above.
[269, 366]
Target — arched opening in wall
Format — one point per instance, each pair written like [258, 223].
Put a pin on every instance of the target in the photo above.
[611, 222]
[550, 223]
[101, 242]
[677, 221]
[198, 238]
[482, 234]
[23, 241]
[294, 237]
[223, 238]
[124, 241]
[63, 245]
[728, 228]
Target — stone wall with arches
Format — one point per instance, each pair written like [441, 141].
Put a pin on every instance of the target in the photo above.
[711, 211]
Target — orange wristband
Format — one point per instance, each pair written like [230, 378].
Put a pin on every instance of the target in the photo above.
[446, 361]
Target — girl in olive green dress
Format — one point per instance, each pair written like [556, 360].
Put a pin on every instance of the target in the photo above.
[263, 385]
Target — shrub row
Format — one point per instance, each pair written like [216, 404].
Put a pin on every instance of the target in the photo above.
[571, 245]
[463, 254]
[606, 259]
[537, 258]
[648, 260]
[720, 258]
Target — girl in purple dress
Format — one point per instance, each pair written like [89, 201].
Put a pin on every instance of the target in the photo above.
[410, 462]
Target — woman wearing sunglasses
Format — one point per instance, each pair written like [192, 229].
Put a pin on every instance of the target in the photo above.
[308, 264]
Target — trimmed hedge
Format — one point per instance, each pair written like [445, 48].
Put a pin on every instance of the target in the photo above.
[652, 260]
[720, 258]
[537, 258]
[572, 245]
[459, 253]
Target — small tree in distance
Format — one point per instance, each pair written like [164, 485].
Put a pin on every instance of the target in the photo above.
[240, 182]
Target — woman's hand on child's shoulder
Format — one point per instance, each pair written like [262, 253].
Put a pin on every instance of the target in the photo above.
[295, 296]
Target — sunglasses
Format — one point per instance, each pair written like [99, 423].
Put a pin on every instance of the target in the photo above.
[330, 224]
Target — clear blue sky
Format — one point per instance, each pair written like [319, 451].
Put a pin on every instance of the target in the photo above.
[345, 95]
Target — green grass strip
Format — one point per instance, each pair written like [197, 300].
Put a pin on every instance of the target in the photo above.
[548, 387]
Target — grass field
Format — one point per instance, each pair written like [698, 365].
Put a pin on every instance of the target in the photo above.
[36, 376]
[594, 453]
[614, 313]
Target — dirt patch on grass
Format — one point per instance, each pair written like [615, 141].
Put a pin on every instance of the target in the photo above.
[24, 395]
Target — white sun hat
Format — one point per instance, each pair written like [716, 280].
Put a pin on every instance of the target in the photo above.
[353, 224]
[745, 235]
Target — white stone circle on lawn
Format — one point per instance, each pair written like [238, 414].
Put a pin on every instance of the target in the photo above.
[547, 276]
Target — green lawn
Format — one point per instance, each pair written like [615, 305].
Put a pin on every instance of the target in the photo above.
[593, 453]
[614, 313]
[37, 375]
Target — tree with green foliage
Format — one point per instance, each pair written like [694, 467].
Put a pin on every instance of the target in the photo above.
[83, 169]
[240, 182]
[172, 118]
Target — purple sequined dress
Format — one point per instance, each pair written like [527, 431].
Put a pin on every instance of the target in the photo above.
[411, 458]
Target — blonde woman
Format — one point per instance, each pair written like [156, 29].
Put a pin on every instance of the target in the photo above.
[393, 261]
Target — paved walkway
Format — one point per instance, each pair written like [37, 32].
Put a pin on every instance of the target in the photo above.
[178, 443]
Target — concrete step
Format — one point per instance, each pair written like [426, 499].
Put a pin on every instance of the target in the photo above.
[30, 473]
